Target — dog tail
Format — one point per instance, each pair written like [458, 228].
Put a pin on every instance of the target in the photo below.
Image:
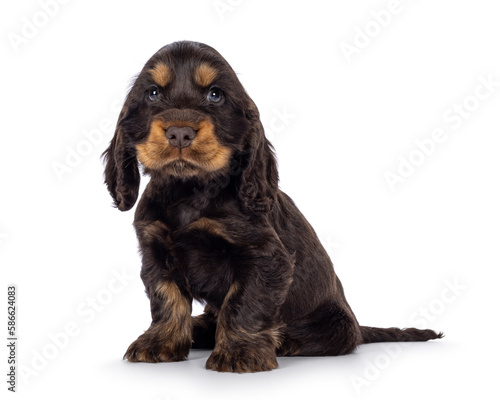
[373, 335]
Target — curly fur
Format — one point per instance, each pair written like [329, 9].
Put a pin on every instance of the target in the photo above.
[213, 225]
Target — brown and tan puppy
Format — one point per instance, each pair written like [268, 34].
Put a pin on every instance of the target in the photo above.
[214, 226]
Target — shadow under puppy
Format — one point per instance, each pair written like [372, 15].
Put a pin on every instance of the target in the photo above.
[214, 226]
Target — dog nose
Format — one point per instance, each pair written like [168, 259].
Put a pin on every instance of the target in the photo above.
[180, 136]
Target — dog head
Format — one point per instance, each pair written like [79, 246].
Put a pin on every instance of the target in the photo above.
[187, 116]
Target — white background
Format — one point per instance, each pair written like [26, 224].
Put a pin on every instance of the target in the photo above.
[350, 121]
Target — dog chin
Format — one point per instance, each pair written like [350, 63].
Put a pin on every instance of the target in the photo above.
[182, 168]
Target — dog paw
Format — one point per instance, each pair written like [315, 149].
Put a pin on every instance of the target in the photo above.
[147, 348]
[242, 360]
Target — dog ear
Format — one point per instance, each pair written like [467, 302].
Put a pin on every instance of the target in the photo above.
[259, 178]
[121, 173]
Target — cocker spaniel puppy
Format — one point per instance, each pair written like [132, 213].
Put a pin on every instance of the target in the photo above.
[214, 226]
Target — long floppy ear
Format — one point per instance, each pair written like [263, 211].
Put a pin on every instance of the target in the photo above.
[121, 173]
[259, 178]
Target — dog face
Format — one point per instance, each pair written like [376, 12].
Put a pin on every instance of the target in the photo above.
[187, 116]
[193, 111]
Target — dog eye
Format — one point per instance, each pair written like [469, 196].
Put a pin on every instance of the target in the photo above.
[215, 95]
[153, 93]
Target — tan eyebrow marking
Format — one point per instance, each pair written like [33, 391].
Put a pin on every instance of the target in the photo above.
[161, 74]
[205, 74]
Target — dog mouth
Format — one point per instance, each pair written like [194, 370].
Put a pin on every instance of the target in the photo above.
[180, 147]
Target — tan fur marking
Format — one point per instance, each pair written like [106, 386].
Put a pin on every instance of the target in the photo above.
[204, 75]
[161, 74]
[208, 151]
[211, 226]
[204, 152]
[174, 300]
[170, 338]
[155, 152]
[230, 293]
[179, 308]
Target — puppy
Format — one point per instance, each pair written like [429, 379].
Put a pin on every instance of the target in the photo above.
[213, 225]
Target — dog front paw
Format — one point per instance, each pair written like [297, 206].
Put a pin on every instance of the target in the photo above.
[242, 360]
[151, 349]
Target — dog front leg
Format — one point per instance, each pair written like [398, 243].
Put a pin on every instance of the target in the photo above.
[169, 337]
[249, 329]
